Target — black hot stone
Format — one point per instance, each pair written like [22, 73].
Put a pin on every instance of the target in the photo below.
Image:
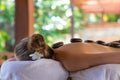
[100, 42]
[89, 41]
[57, 45]
[115, 45]
[75, 40]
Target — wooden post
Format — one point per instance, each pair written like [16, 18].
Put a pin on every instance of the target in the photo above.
[24, 19]
[72, 19]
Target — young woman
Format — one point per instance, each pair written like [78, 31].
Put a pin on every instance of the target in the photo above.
[33, 61]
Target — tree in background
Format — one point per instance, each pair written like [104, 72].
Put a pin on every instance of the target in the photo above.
[7, 8]
[52, 19]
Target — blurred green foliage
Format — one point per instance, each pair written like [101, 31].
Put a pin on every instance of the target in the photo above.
[96, 18]
[3, 38]
[7, 8]
[52, 19]
[112, 17]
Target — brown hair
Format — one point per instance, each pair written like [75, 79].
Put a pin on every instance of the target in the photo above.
[29, 45]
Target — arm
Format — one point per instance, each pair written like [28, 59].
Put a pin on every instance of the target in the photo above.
[104, 58]
[85, 61]
[81, 56]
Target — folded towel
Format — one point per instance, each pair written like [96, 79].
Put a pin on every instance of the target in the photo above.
[102, 72]
[42, 69]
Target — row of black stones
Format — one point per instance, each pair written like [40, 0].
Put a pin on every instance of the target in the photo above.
[115, 44]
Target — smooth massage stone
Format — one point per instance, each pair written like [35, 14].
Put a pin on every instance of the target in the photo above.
[116, 42]
[57, 45]
[89, 41]
[75, 40]
[100, 42]
[115, 45]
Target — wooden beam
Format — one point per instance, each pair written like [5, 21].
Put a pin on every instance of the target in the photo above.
[24, 19]
[72, 19]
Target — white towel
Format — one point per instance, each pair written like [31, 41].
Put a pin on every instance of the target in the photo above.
[102, 72]
[42, 69]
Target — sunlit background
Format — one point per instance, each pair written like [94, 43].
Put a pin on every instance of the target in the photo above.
[55, 19]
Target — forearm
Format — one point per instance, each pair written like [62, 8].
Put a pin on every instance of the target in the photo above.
[107, 58]
[85, 61]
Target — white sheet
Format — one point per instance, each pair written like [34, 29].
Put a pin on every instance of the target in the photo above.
[102, 72]
[43, 69]
[47, 69]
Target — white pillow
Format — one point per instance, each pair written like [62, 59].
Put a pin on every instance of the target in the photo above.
[43, 69]
[102, 72]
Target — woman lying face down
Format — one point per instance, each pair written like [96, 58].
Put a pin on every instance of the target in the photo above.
[73, 56]
[32, 48]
